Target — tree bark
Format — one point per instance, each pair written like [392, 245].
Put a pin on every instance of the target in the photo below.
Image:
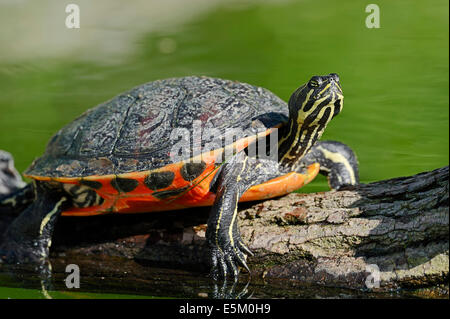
[384, 235]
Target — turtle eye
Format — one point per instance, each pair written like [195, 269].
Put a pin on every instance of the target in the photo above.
[315, 81]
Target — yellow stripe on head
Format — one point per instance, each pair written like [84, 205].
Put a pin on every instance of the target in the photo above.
[311, 107]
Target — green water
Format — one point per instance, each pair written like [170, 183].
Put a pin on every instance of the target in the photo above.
[20, 293]
[395, 79]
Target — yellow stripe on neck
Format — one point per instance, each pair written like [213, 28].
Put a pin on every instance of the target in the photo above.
[287, 155]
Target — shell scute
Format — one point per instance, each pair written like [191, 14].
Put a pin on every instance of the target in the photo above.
[135, 131]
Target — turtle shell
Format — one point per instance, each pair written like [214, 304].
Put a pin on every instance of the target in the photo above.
[122, 156]
[137, 130]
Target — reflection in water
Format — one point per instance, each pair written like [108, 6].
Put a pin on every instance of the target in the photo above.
[119, 278]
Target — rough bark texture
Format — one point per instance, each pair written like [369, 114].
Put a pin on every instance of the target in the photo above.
[398, 226]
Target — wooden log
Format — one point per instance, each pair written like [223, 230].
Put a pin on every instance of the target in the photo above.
[385, 235]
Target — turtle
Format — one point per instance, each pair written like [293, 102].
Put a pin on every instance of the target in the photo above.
[180, 143]
[10, 179]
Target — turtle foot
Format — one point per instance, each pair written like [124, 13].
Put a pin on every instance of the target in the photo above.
[227, 262]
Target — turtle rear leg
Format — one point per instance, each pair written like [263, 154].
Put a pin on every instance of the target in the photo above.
[17, 201]
[28, 238]
[337, 161]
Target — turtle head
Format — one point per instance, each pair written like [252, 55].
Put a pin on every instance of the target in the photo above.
[317, 101]
[311, 107]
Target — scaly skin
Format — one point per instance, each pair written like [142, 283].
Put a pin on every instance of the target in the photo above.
[28, 238]
[228, 251]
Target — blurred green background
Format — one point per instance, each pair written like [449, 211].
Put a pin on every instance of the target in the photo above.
[395, 78]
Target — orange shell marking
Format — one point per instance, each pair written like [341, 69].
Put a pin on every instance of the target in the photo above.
[281, 185]
[196, 193]
[140, 200]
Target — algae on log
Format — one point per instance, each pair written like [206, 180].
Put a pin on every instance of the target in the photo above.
[395, 230]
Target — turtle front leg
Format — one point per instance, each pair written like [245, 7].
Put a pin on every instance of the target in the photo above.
[228, 251]
[28, 238]
[337, 161]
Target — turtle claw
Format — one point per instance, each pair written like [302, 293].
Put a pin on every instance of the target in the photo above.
[244, 248]
[232, 267]
[227, 262]
[219, 269]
